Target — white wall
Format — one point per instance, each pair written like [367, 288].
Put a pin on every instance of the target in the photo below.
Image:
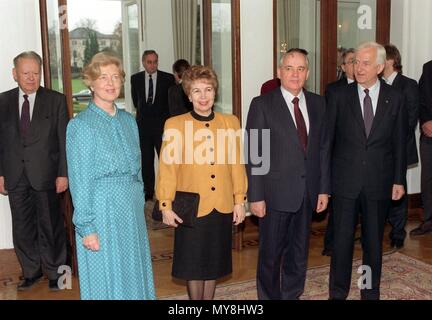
[256, 26]
[158, 32]
[20, 32]
[410, 25]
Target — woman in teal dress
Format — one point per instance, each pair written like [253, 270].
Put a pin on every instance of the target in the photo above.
[104, 163]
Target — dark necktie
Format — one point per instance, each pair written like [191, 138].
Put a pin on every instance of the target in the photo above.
[25, 117]
[150, 92]
[301, 125]
[368, 112]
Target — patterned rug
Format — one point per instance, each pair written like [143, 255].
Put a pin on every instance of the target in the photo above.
[403, 278]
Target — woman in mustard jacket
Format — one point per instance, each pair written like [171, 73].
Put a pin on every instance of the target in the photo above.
[201, 152]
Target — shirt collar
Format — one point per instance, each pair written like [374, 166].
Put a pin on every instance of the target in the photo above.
[288, 96]
[391, 79]
[372, 90]
[31, 96]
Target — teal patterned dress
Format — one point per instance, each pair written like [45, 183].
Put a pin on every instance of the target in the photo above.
[104, 165]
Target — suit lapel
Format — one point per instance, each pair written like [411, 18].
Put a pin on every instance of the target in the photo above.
[14, 109]
[38, 114]
[356, 108]
[284, 113]
[313, 120]
[382, 108]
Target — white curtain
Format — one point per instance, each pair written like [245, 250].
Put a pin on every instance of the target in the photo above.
[288, 20]
[184, 17]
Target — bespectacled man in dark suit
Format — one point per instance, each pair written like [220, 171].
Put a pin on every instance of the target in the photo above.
[33, 170]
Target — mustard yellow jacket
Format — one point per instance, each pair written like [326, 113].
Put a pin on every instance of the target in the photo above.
[200, 155]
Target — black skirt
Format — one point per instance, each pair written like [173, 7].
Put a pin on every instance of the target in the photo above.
[204, 251]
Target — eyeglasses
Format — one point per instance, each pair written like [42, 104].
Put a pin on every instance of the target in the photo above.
[105, 78]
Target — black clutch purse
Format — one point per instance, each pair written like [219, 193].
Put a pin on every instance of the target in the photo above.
[185, 205]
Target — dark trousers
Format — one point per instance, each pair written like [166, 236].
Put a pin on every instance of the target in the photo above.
[329, 234]
[150, 142]
[398, 216]
[39, 233]
[426, 181]
[373, 218]
[283, 253]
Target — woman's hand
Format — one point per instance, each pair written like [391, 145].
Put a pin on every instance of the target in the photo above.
[91, 242]
[239, 214]
[171, 218]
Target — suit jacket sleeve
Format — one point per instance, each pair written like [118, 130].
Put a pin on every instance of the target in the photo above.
[62, 121]
[425, 85]
[399, 144]
[254, 129]
[325, 156]
[412, 103]
[134, 92]
[80, 155]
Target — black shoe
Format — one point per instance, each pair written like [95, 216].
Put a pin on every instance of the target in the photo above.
[28, 283]
[327, 252]
[397, 244]
[53, 285]
[420, 230]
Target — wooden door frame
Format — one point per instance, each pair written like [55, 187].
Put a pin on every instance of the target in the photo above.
[235, 46]
[329, 36]
[66, 200]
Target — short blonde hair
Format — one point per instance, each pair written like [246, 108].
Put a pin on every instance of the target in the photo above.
[196, 73]
[92, 70]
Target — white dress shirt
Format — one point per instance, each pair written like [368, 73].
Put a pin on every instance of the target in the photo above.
[31, 99]
[373, 93]
[147, 79]
[288, 96]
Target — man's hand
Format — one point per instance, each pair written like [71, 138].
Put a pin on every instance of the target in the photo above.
[427, 129]
[258, 208]
[398, 192]
[62, 184]
[2, 186]
[323, 200]
[91, 242]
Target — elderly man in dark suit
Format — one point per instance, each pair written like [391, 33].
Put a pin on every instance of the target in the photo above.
[297, 182]
[393, 76]
[368, 129]
[150, 98]
[425, 85]
[33, 170]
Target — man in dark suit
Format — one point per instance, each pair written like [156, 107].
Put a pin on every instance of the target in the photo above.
[150, 98]
[392, 75]
[347, 67]
[178, 101]
[368, 129]
[297, 181]
[33, 170]
[425, 85]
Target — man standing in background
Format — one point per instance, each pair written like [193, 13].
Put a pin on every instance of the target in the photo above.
[150, 98]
